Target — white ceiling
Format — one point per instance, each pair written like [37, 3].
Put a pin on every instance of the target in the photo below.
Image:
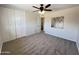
[30, 8]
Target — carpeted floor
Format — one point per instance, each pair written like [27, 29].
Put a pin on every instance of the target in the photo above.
[40, 44]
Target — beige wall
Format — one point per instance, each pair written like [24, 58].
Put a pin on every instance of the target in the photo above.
[71, 24]
[78, 35]
[0, 35]
[17, 23]
[0, 43]
[0, 46]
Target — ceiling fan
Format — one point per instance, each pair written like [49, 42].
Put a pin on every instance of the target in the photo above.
[43, 8]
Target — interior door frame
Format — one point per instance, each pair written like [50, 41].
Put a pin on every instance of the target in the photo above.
[42, 23]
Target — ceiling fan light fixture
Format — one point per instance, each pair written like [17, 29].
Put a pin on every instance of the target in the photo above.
[41, 12]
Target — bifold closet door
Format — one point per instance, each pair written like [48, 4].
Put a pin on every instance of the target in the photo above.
[7, 24]
[20, 23]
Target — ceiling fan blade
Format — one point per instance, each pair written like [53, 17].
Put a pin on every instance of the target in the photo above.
[47, 9]
[35, 10]
[36, 7]
[47, 5]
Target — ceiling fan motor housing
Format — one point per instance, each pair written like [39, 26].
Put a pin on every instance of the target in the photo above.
[41, 8]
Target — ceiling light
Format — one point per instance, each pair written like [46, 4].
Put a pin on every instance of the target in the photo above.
[41, 12]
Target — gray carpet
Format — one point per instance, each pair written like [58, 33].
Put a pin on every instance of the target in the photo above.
[40, 44]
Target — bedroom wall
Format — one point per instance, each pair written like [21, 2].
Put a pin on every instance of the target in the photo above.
[0, 35]
[17, 23]
[0, 46]
[0, 43]
[71, 25]
[78, 35]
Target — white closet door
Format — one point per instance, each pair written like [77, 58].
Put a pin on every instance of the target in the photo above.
[8, 26]
[20, 23]
[11, 24]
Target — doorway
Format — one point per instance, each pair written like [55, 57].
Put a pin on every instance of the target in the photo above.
[42, 23]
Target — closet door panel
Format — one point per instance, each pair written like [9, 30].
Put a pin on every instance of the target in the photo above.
[8, 26]
[20, 23]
